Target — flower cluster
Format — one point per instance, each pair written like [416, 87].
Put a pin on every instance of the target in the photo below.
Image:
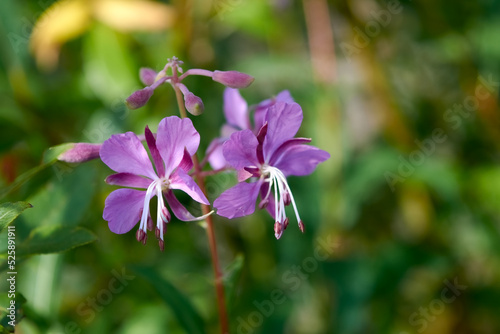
[261, 149]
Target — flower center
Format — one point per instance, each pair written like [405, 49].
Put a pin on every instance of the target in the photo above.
[282, 197]
[163, 216]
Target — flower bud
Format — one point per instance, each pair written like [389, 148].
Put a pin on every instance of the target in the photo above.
[147, 76]
[193, 104]
[233, 79]
[139, 98]
[80, 152]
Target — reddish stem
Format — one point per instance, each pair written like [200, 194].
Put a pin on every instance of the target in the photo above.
[219, 286]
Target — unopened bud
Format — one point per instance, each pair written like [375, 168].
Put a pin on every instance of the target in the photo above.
[139, 98]
[233, 79]
[80, 152]
[193, 104]
[147, 76]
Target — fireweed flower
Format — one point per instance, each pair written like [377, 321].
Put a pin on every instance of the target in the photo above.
[193, 103]
[176, 141]
[237, 114]
[268, 158]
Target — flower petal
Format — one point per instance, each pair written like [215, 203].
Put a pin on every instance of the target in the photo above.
[215, 155]
[182, 181]
[175, 134]
[262, 108]
[187, 162]
[241, 149]
[124, 153]
[284, 121]
[179, 210]
[122, 209]
[236, 109]
[300, 160]
[128, 180]
[155, 154]
[278, 154]
[238, 201]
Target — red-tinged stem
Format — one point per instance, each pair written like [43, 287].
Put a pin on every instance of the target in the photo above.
[219, 286]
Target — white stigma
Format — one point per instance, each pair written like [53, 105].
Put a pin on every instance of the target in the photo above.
[282, 196]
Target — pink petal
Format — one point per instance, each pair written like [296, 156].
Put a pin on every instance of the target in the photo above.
[262, 108]
[284, 121]
[178, 209]
[124, 153]
[122, 209]
[240, 150]
[182, 181]
[175, 134]
[215, 155]
[300, 160]
[187, 162]
[151, 141]
[236, 109]
[128, 180]
[238, 201]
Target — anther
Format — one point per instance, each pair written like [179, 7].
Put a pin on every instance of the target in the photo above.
[161, 243]
[145, 239]
[263, 204]
[139, 235]
[277, 230]
[285, 223]
[301, 226]
[157, 233]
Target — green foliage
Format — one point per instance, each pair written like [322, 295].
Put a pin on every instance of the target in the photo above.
[54, 239]
[10, 211]
[373, 254]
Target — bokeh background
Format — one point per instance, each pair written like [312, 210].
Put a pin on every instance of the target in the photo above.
[402, 223]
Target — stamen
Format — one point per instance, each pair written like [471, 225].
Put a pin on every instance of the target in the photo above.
[145, 209]
[139, 235]
[283, 197]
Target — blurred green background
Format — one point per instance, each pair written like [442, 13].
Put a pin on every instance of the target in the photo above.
[402, 223]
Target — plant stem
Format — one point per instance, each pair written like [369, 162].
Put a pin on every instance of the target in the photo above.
[219, 286]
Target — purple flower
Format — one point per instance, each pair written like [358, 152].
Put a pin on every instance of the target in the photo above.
[269, 157]
[176, 141]
[237, 114]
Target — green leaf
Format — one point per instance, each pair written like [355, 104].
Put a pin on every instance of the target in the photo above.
[10, 211]
[54, 239]
[184, 311]
[34, 174]
[231, 275]
[4, 304]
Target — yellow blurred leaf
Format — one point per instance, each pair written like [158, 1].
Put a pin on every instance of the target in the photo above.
[134, 15]
[62, 21]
